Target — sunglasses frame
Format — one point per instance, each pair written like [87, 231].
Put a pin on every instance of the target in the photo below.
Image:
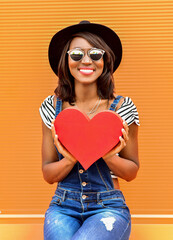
[88, 53]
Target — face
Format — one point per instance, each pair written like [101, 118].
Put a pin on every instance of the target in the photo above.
[86, 70]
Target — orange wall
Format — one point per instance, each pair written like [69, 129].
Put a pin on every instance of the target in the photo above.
[146, 31]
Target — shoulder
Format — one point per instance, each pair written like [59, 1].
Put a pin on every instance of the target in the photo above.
[47, 110]
[50, 99]
[128, 111]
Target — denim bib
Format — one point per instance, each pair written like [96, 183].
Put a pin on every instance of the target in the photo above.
[97, 177]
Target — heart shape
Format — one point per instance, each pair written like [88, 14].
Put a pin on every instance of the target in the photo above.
[88, 139]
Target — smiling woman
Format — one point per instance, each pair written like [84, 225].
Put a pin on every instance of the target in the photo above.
[105, 88]
[87, 199]
[86, 66]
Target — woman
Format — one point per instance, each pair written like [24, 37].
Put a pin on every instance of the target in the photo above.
[87, 204]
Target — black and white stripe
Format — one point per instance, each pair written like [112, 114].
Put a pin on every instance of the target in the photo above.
[47, 111]
[127, 111]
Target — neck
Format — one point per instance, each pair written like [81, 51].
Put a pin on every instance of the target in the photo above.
[85, 92]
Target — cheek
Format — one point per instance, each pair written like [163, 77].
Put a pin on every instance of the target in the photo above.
[72, 65]
[100, 65]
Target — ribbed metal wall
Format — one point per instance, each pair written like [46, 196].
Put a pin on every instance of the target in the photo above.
[145, 74]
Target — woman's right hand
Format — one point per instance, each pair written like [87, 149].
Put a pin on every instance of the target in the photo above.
[60, 147]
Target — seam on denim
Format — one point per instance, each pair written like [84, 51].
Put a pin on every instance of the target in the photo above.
[88, 183]
[98, 197]
[63, 197]
[67, 198]
[112, 199]
[58, 196]
[82, 203]
[125, 230]
[79, 178]
[112, 207]
[82, 217]
[111, 178]
[68, 190]
[102, 177]
[112, 190]
[78, 200]
[94, 200]
[88, 200]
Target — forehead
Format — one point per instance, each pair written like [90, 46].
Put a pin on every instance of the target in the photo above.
[79, 42]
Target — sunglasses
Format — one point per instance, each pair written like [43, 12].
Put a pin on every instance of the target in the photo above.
[94, 53]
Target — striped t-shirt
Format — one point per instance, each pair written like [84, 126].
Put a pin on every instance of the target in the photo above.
[127, 111]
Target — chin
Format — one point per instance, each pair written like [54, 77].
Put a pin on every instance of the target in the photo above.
[87, 81]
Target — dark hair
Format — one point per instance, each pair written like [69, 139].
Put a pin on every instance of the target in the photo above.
[105, 83]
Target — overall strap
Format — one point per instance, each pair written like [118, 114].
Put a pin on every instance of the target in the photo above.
[115, 102]
[58, 106]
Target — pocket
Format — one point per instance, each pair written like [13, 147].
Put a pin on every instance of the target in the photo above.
[56, 200]
[113, 203]
[126, 214]
[118, 205]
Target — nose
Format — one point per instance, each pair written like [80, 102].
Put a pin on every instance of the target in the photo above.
[86, 59]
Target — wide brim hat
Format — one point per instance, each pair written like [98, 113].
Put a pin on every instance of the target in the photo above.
[60, 39]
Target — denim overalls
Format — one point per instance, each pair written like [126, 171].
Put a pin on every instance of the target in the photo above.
[86, 205]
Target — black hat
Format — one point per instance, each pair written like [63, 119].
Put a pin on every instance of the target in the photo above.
[60, 39]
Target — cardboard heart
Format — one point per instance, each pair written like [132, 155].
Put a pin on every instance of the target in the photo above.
[88, 139]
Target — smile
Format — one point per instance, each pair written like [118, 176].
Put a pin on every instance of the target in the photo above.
[86, 71]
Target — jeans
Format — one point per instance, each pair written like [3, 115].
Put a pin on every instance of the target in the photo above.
[93, 216]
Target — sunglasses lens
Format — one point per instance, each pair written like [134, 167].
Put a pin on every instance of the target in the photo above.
[96, 54]
[76, 55]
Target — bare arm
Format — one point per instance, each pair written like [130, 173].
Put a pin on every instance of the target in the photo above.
[125, 165]
[54, 170]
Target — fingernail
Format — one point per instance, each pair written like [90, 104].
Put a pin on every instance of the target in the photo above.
[122, 130]
[56, 135]
[120, 137]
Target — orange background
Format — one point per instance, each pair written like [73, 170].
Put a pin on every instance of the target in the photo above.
[145, 74]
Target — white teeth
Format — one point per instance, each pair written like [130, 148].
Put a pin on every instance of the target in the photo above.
[86, 70]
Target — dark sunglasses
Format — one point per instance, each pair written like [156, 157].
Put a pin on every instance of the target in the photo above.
[94, 53]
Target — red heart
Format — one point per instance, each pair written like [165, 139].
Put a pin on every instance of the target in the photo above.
[88, 139]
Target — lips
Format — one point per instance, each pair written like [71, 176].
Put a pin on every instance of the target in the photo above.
[86, 71]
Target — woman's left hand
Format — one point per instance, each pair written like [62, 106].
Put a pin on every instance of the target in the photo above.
[121, 144]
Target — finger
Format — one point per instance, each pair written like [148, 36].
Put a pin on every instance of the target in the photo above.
[58, 144]
[116, 149]
[125, 135]
[53, 130]
[52, 123]
[122, 143]
[55, 138]
[63, 150]
[119, 146]
[125, 125]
